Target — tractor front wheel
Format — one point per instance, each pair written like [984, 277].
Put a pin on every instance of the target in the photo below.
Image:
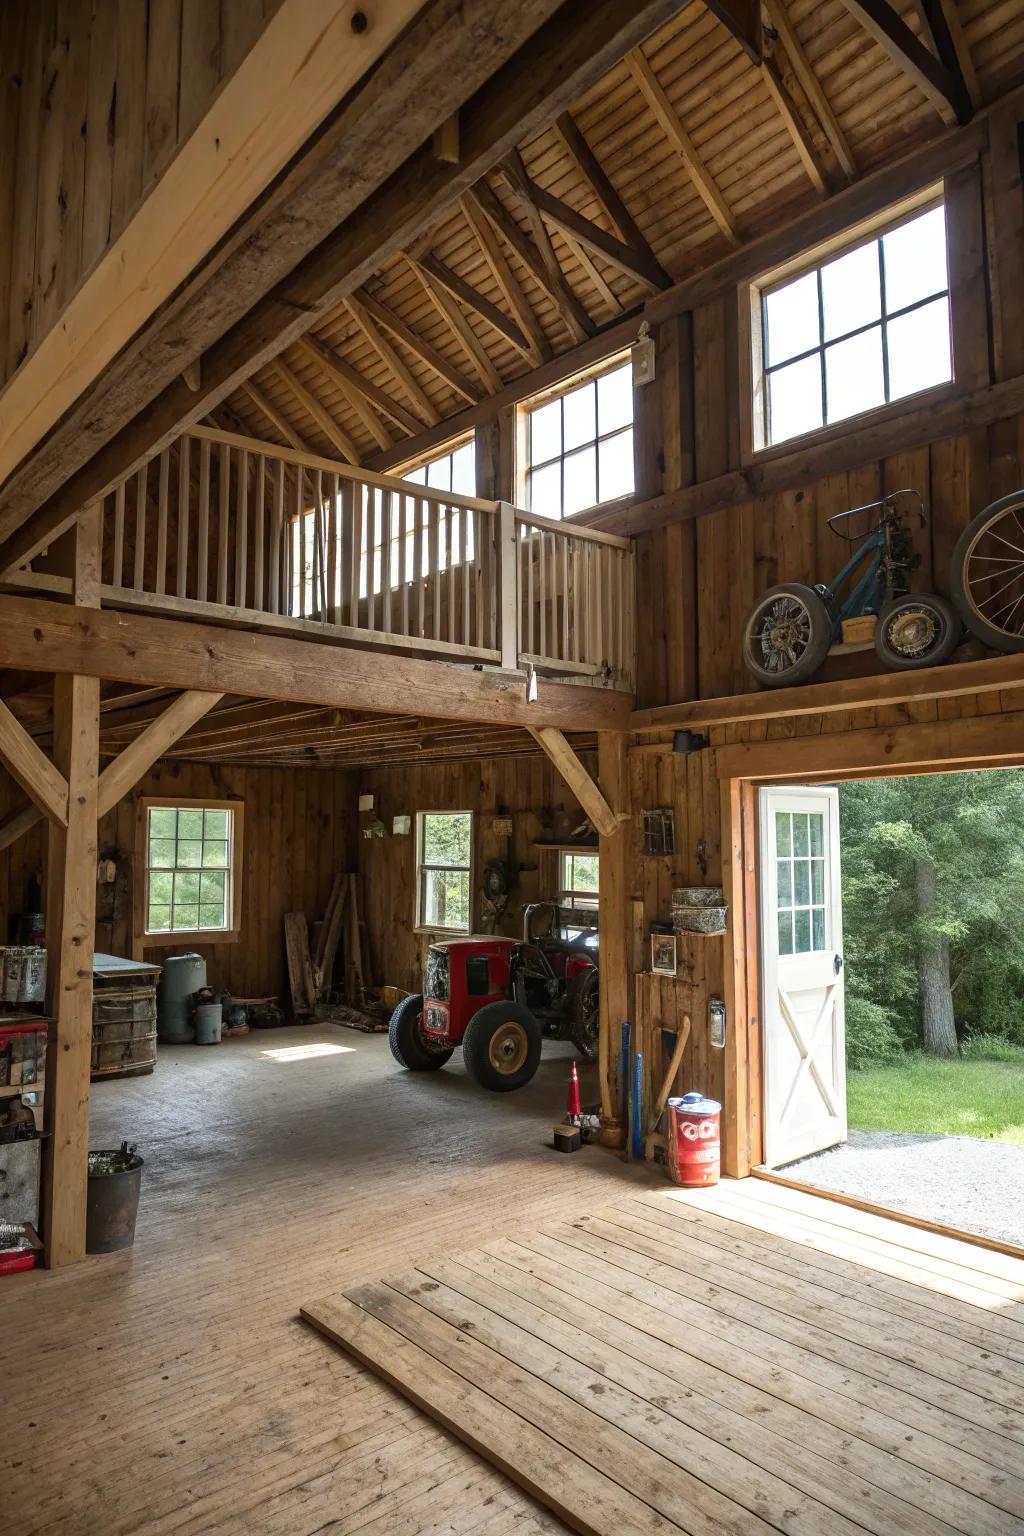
[501, 1047]
[408, 1045]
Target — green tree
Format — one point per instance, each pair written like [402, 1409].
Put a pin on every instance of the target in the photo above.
[933, 899]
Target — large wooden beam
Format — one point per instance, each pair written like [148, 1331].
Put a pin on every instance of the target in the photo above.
[18, 823]
[394, 362]
[600, 183]
[306, 59]
[945, 89]
[547, 64]
[577, 778]
[778, 15]
[346, 378]
[30, 767]
[434, 360]
[149, 746]
[71, 918]
[173, 653]
[506, 279]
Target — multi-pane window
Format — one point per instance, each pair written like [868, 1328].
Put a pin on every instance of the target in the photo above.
[800, 881]
[578, 879]
[444, 863]
[579, 446]
[868, 327]
[189, 861]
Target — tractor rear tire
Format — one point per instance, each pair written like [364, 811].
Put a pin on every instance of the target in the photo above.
[408, 1046]
[501, 1047]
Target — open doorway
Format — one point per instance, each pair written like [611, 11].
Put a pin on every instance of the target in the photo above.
[892, 938]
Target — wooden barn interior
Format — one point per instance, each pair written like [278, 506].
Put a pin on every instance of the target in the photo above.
[404, 405]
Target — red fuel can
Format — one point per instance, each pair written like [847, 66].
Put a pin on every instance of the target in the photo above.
[693, 1140]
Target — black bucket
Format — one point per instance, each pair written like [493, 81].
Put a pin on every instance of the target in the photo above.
[113, 1199]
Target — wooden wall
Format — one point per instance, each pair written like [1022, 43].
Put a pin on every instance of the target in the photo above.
[298, 832]
[520, 787]
[94, 99]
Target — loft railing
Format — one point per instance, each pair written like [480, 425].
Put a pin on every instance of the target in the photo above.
[229, 529]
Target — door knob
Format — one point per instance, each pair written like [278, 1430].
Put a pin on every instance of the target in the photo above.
[838, 963]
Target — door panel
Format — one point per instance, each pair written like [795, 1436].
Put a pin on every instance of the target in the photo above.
[802, 974]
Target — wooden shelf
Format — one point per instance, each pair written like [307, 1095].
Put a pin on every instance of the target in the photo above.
[14, 1090]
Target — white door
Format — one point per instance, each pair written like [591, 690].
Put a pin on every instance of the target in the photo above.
[802, 970]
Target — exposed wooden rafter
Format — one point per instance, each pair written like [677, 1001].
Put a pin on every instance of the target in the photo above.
[394, 361]
[468, 295]
[671, 124]
[420, 347]
[614, 208]
[344, 382]
[578, 780]
[550, 280]
[506, 279]
[336, 435]
[795, 126]
[467, 337]
[346, 378]
[278, 421]
[778, 18]
[639, 264]
[941, 81]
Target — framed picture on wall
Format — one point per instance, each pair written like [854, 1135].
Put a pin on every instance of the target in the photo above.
[663, 954]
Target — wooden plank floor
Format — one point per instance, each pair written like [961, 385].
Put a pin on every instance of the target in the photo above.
[745, 1360]
[172, 1388]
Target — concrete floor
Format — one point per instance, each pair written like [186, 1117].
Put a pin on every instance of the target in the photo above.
[172, 1388]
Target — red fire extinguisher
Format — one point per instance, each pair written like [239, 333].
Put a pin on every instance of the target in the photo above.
[694, 1140]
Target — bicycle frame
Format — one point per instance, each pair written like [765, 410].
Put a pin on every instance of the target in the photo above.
[875, 585]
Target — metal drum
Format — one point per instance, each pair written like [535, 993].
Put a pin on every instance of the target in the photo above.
[182, 975]
[693, 1140]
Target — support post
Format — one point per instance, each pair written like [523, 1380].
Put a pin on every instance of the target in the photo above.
[614, 927]
[70, 931]
[508, 587]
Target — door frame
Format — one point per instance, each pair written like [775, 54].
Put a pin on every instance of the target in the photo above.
[900, 751]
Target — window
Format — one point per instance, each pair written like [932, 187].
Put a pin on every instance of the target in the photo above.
[191, 862]
[579, 446]
[577, 879]
[444, 867]
[800, 877]
[863, 329]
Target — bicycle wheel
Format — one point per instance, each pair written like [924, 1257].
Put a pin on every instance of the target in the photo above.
[919, 629]
[787, 635]
[987, 575]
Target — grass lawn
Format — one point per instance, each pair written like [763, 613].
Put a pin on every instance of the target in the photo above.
[957, 1098]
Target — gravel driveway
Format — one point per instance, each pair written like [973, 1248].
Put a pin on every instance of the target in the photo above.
[959, 1181]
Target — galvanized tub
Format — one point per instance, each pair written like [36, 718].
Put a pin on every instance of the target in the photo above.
[699, 919]
[112, 1203]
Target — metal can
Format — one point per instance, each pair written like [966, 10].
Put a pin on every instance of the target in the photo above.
[694, 1143]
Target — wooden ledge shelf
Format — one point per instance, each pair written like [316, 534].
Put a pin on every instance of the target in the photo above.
[992, 674]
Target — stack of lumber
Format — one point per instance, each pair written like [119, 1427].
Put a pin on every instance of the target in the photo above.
[311, 970]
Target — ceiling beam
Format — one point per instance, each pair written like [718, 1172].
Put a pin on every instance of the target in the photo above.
[945, 90]
[743, 20]
[638, 264]
[547, 64]
[44, 636]
[344, 376]
[434, 360]
[395, 363]
[578, 780]
[595, 174]
[279, 422]
[542, 265]
[464, 332]
[951, 45]
[354, 398]
[671, 125]
[791, 45]
[459, 289]
[335, 435]
[506, 279]
[795, 127]
[29, 765]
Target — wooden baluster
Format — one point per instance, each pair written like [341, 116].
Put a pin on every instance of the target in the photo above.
[597, 607]
[403, 574]
[259, 534]
[465, 516]
[161, 521]
[531, 552]
[478, 577]
[434, 565]
[355, 591]
[346, 557]
[452, 526]
[418, 515]
[564, 652]
[117, 575]
[522, 542]
[223, 521]
[184, 494]
[203, 535]
[299, 527]
[333, 551]
[141, 494]
[317, 604]
[242, 530]
[274, 553]
[577, 600]
[373, 545]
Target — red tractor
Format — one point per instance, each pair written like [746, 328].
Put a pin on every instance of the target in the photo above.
[497, 998]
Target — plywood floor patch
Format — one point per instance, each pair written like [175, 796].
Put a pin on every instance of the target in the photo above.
[745, 1360]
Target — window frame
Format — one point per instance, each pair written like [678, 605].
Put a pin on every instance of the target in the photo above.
[420, 926]
[524, 465]
[143, 938]
[588, 900]
[755, 444]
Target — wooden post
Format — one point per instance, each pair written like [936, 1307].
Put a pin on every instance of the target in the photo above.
[614, 927]
[70, 930]
[508, 586]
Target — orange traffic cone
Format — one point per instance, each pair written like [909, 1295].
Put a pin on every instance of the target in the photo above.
[573, 1106]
